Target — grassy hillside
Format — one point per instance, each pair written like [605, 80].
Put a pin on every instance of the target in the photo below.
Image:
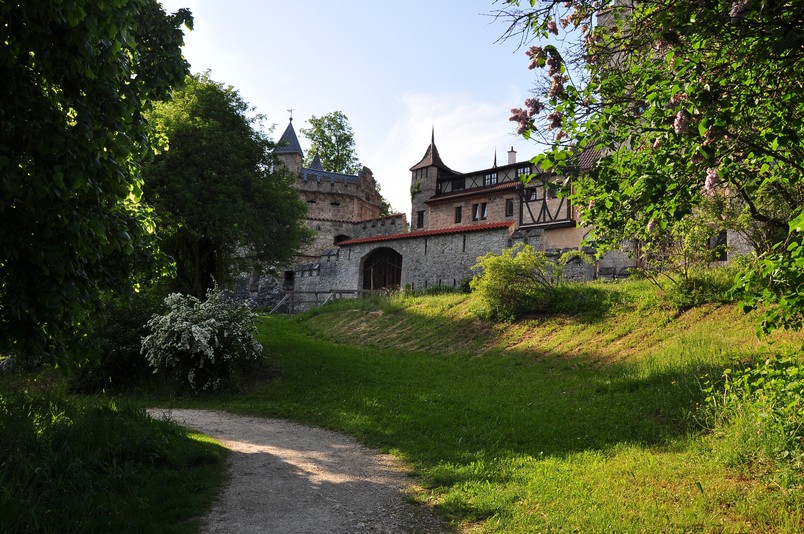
[594, 422]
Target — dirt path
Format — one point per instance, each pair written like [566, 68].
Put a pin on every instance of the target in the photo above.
[291, 479]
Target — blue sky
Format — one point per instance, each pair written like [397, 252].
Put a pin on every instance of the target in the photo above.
[395, 69]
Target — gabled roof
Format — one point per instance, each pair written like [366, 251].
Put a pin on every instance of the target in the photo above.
[431, 158]
[289, 143]
[426, 233]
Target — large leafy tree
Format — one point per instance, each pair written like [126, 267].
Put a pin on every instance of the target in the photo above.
[332, 140]
[221, 203]
[76, 77]
[689, 105]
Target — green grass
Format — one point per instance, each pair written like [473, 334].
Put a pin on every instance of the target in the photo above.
[565, 423]
[97, 465]
[590, 420]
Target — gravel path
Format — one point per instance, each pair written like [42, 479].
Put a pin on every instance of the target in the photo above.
[291, 479]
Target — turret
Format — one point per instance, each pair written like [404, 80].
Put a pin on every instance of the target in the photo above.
[288, 150]
[424, 184]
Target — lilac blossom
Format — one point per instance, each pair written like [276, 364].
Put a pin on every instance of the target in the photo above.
[739, 10]
[711, 179]
[555, 120]
[552, 27]
[522, 118]
[681, 124]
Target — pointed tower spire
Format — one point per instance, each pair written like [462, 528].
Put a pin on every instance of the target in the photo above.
[289, 143]
[495, 158]
[431, 157]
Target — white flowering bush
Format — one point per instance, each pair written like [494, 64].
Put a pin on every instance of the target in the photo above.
[201, 344]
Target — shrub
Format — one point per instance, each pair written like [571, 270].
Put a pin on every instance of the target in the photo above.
[117, 331]
[201, 344]
[519, 280]
[760, 412]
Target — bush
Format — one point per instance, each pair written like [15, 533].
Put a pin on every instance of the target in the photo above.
[117, 331]
[201, 344]
[760, 412]
[518, 281]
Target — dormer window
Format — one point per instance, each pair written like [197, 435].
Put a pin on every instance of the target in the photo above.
[490, 178]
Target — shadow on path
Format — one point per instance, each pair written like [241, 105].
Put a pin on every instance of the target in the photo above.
[290, 478]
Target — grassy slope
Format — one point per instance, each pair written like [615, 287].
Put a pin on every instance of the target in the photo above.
[583, 423]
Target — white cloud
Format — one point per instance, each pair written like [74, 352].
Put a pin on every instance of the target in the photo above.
[467, 132]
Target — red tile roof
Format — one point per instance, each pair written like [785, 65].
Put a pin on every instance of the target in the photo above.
[426, 233]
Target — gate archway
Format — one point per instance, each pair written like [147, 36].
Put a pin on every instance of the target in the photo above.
[382, 269]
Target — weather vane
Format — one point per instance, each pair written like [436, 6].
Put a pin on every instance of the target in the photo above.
[291, 113]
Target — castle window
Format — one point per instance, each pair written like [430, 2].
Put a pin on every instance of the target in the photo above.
[458, 214]
[475, 212]
[458, 184]
[419, 219]
[509, 207]
[311, 201]
[490, 178]
[530, 194]
[483, 211]
[335, 203]
[479, 212]
[522, 171]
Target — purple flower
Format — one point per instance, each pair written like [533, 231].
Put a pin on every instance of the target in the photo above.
[739, 10]
[552, 27]
[711, 179]
[534, 106]
[681, 124]
[521, 117]
[554, 119]
[557, 87]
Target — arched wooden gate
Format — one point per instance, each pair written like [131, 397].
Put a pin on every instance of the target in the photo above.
[382, 269]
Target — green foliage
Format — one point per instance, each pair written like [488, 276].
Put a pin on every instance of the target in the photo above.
[117, 331]
[774, 281]
[201, 344]
[759, 407]
[518, 281]
[332, 140]
[681, 260]
[77, 76]
[221, 205]
[95, 466]
[685, 103]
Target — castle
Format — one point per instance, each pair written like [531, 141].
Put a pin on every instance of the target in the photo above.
[456, 217]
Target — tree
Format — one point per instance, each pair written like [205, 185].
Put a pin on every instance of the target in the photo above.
[332, 140]
[221, 203]
[77, 76]
[689, 105]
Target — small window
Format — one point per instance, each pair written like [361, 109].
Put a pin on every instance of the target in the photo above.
[458, 214]
[289, 280]
[340, 238]
[522, 171]
[490, 178]
[311, 201]
[530, 194]
[458, 184]
[484, 212]
[420, 219]
[335, 203]
[509, 207]
[475, 212]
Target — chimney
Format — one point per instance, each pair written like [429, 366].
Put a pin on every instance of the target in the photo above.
[511, 156]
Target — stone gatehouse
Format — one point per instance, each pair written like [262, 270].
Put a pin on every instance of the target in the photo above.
[455, 218]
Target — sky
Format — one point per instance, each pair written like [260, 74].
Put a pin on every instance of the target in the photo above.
[398, 71]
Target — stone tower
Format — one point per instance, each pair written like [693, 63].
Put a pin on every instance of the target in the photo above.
[288, 150]
[424, 179]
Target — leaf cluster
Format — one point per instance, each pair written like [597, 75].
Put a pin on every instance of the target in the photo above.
[221, 202]
[77, 76]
